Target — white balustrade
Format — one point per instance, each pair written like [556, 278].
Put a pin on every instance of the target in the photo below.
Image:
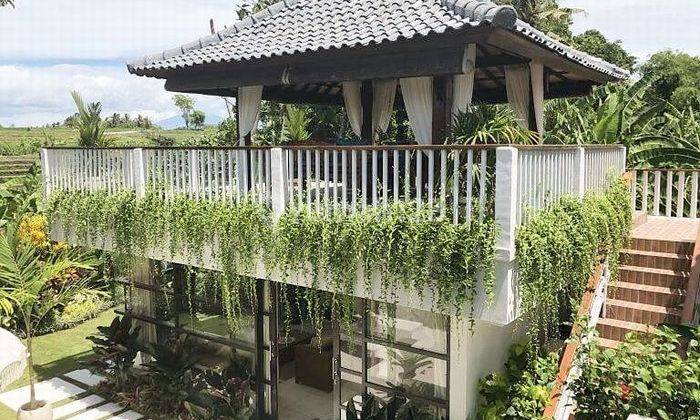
[454, 179]
[666, 192]
[545, 174]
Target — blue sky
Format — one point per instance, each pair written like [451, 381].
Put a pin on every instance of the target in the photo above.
[48, 47]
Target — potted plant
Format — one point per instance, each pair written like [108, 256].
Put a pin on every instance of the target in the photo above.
[29, 278]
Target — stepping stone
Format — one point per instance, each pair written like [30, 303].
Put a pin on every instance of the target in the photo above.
[98, 412]
[128, 415]
[51, 391]
[75, 406]
[84, 376]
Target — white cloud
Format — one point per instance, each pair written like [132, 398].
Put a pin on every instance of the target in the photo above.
[104, 29]
[40, 95]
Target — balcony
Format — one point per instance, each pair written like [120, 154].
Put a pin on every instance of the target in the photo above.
[462, 183]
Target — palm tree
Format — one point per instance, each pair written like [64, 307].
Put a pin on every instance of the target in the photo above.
[27, 281]
[90, 127]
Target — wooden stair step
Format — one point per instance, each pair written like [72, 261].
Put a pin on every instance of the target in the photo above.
[616, 329]
[658, 245]
[655, 259]
[647, 294]
[641, 313]
[607, 343]
[654, 276]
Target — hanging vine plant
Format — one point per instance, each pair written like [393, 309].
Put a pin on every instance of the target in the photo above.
[558, 250]
[407, 246]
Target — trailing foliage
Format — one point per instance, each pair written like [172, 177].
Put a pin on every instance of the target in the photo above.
[522, 391]
[410, 247]
[656, 376]
[557, 251]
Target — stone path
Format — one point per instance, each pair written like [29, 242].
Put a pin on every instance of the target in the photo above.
[71, 398]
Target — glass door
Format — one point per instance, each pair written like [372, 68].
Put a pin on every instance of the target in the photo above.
[303, 361]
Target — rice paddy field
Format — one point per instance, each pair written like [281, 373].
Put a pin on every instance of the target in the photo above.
[28, 140]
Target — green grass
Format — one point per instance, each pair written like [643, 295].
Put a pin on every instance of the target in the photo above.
[60, 352]
[15, 138]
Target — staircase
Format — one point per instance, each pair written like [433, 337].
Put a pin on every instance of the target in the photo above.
[651, 287]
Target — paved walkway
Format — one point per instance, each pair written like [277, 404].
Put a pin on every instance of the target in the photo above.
[71, 398]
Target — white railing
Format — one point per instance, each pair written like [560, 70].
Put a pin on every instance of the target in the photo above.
[456, 179]
[211, 174]
[545, 174]
[666, 192]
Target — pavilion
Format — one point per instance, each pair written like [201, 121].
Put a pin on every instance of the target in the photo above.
[433, 57]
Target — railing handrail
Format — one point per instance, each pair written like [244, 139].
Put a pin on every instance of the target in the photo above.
[664, 169]
[357, 147]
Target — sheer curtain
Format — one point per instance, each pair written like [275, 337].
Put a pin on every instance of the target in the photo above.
[518, 91]
[249, 98]
[383, 92]
[537, 77]
[353, 105]
[418, 97]
[463, 84]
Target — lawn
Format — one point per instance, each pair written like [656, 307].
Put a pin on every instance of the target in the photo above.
[60, 352]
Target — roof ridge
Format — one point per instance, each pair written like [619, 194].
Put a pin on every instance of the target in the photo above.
[484, 11]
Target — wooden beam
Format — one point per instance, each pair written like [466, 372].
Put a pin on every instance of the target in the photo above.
[287, 95]
[437, 61]
[367, 97]
[424, 56]
[499, 60]
[442, 107]
[556, 90]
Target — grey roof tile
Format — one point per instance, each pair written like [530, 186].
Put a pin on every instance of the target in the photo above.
[297, 26]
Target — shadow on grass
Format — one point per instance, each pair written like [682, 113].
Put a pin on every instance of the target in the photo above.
[61, 366]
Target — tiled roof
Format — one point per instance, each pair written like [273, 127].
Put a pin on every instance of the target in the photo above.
[299, 26]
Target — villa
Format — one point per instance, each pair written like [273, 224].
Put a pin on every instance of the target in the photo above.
[426, 60]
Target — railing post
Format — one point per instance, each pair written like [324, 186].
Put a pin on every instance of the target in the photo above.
[278, 180]
[138, 167]
[45, 172]
[580, 172]
[194, 173]
[506, 200]
[503, 309]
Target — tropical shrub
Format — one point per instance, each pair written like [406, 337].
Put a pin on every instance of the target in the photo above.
[488, 124]
[522, 390]
[91, 128]
[25, 276]
[657, 375]
[396, 407]
[558, 249]
[115, 348]
[83, 306]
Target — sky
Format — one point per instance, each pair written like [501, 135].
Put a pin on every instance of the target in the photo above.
[50, 47]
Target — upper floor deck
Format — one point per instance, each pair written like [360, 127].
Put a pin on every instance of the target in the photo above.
[461, 183]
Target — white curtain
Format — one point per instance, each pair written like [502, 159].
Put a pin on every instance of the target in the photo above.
[383, 92]
[418, 97]
[518, 91]
[537, 77]
[463, 84]
[249, 98]
[353, 105]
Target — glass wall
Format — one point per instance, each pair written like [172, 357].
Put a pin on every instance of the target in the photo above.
[396, 351]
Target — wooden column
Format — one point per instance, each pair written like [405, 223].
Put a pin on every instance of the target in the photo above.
[442, 107]
[367, 96]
